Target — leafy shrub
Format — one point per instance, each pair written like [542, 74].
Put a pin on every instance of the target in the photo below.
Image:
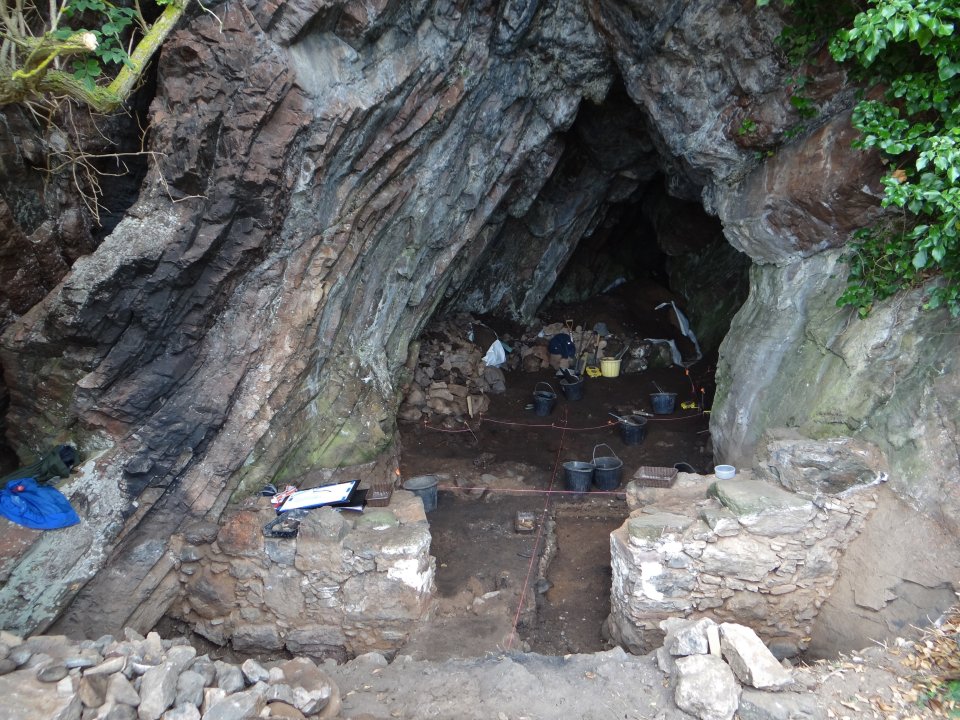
[910, 50]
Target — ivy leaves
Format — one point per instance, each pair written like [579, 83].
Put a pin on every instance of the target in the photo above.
[892, 28]
[912, 49]
[110, 25]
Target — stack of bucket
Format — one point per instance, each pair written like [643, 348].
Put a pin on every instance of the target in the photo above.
[605, 472]
[544, 396]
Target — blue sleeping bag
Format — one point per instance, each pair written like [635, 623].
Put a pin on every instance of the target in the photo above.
[40, 507]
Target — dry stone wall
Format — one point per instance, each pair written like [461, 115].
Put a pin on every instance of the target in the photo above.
[739, 550]
[345, 585]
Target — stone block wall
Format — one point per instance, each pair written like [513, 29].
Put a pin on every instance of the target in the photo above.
[741, 550]
[348, 583]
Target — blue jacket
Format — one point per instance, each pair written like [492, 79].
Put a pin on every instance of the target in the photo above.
[562, 345]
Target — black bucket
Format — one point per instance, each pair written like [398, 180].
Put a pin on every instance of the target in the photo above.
[607, 471]
[663, 403]
[425, 488]
[543, 400]
[578, 475]
[633, 429]
[572, 389]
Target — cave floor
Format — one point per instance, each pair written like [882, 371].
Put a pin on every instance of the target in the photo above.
[495, 589]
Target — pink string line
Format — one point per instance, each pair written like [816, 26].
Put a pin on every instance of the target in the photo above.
[518, 491]
[536, 544]
[553, 426]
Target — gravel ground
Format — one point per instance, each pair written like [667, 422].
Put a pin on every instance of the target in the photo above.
[877, 683]
[607, 685]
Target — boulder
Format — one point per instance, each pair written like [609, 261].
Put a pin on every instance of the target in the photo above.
[238, 705]
[764, 508]
[187, 711]
[93, 690]
[706, 687]
[26, 697]
[190, 686]
[158, 690]
[750, 659]
[687, 637]
[254, 672]
[812, 467]
[645, 528]
[313, 690]
[229, 677]
[121, 691]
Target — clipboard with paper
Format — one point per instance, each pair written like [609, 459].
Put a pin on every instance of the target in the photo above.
[338, 494]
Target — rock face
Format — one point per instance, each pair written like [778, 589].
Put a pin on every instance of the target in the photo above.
[706, 688]
[793, 360]
[328, 175]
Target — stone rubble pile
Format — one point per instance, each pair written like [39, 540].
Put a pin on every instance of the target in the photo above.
[718, 670]
[713, 670]
[451, 379]
[149, 678]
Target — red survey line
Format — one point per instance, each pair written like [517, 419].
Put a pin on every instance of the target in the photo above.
[536, 544]
[553, 426]
[519, 491]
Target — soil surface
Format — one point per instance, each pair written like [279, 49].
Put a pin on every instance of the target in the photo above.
[545, 587]
[607, 685]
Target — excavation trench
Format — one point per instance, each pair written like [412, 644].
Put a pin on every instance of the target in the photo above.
[523, 560]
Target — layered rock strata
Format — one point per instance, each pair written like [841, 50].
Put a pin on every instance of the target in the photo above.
[326, 176]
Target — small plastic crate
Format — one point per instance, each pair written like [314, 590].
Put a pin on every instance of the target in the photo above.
[649, 476]
[380, 493]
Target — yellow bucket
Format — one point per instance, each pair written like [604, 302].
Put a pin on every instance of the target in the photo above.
[610, 367]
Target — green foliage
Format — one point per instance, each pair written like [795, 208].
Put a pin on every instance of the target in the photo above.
[93, 51]
[747, 127]
[799, 100]
[910, 48]
[810, 26]
[110, 24]
[942, 696]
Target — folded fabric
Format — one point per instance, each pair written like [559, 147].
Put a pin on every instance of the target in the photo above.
[562, 345]
[40, 507]
[55, 464]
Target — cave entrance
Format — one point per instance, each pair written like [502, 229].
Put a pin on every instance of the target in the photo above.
[545, 586]
[613, 234]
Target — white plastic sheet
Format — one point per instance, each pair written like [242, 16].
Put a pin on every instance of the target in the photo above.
[496, 355]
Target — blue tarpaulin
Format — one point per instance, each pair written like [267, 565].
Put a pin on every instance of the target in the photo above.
[40, 507]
